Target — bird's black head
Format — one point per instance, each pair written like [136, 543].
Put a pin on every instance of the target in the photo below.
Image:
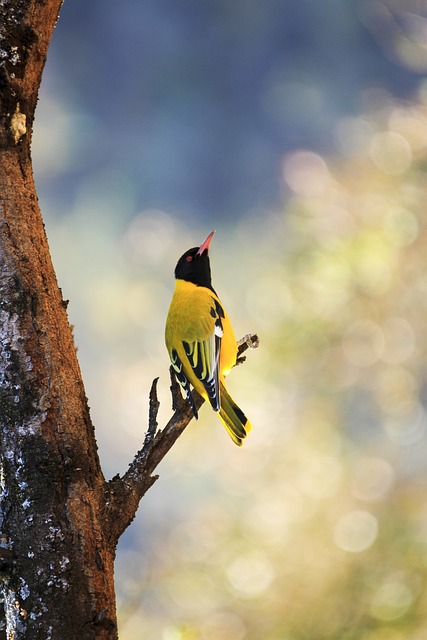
[194, 265]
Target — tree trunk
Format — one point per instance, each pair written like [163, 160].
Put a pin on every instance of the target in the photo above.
[56, 562]
[56, 556]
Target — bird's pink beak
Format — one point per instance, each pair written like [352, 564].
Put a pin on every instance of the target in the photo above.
[205, 245]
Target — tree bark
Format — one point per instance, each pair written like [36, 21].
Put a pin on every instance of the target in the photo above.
[60, 521]
[58, 569]
[55, 561]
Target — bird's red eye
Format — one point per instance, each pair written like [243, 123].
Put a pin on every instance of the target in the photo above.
[189, 258]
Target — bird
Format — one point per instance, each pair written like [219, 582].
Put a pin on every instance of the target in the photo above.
[200, 340]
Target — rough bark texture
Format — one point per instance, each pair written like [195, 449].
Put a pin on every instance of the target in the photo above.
[59, 520]
[51, 481]
[55, 562]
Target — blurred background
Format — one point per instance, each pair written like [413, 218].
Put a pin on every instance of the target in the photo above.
[298, 130]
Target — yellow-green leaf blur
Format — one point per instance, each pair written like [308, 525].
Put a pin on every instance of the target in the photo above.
[317, 528]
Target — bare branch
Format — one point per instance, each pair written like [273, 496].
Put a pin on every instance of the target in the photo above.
[152, 419]
[249, 341]
[125, 493]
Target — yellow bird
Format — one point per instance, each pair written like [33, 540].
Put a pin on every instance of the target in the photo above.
[200, 339]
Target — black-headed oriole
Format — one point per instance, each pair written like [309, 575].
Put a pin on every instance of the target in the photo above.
[200, 339]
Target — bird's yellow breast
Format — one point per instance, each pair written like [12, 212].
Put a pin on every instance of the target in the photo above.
[190, 319]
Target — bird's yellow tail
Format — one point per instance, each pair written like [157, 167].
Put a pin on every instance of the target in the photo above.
[235, 421]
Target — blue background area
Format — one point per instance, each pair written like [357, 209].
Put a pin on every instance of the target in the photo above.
[195, 103]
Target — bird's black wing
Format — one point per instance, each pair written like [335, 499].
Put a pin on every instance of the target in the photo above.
[182, 379]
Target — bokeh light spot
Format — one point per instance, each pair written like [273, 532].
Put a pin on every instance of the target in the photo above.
[402, 225]
[353, 136]
[392, 601]
[250, 575]
[399, 340]
[356, 531]
[408, 428]
[223, 626]
[363, 343]
[372, 478]
[396, 391]
[149, 237]
[390, 152]
[306, 173]
[411, 123]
